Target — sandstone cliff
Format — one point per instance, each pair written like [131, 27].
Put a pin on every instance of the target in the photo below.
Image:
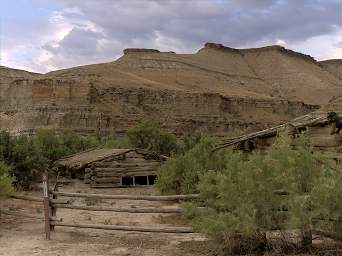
[333, 66]
[217, 89]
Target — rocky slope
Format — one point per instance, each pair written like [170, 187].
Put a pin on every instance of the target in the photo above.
[217, 89]
[333, 66]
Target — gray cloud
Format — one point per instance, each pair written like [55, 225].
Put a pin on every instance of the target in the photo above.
[103, 28]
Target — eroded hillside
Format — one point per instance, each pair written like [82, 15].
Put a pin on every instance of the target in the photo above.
[217, 89]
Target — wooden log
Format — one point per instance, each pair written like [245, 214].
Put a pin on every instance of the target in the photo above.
[27, 215]
[124, 174]
[331, 235]
[21, 214]
[46, 205]
[106, 185]
[128, 228]
[133, 162]
[150, 173]
[114, 179]
[39, 199]
[125, 165]
[130, 197]
[106, 175]
[128, 210]
[28, 198]
[120, 170]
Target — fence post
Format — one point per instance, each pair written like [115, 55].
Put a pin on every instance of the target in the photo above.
[54, 196]
[46, 203]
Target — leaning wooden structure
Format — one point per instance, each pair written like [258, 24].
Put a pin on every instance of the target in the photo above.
[316, 125]
[108, 168]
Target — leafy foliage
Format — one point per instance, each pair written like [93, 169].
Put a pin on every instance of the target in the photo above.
[241, 197]
[30, 156]
[181, 173]
[148, 135]
[5, 180]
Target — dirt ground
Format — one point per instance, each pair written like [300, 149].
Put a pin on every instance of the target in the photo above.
[19, 236]
[23, 236]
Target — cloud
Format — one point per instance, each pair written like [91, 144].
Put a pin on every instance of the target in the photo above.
[86, 31]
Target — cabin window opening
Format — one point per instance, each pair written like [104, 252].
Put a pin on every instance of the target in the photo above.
[127, 181]
[151, 179]
[141, 180]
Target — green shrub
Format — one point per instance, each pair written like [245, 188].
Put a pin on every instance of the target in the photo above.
[242, 198]
[149, 136]
[113, 142]
[181, 173]
[30, 156]
[27, 160]
[5, 180]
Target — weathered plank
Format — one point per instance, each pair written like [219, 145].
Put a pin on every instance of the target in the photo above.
[106, 185]
[124, 164]
[128, 210]
[38, 199]
[27, 215]
[114, 179]
[130, 197]
[128, 228]
[115, 169]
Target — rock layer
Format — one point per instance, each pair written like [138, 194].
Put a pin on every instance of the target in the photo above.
[218, 89]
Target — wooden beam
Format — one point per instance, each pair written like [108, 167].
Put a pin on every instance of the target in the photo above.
[128, 210]
[331, 235]
[28, 198]
[27, 215]
[130, 197]
[107, 180]
[128, 228]
[39, 199]
[46, 204]
[106, 185]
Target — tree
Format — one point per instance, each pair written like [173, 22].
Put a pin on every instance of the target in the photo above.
[149, 136]
[5, 180]
[181, 173]
[242, 199]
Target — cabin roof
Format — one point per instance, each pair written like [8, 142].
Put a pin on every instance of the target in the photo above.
[81, 159]
[311, 119]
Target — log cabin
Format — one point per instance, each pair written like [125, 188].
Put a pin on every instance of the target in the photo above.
[322, 134]
[108, 168]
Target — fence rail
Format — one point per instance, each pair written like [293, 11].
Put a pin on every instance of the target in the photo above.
[128, 228]
[128, 210]
[129, 197]
[51, 203]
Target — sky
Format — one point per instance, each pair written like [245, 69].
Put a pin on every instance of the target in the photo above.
[45, 35]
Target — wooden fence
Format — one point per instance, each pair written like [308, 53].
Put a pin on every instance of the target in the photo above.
[51, 202]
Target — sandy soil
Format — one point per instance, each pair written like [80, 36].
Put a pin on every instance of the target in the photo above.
[20, 236]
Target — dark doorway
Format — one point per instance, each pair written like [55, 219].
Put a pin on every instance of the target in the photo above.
[127, 181]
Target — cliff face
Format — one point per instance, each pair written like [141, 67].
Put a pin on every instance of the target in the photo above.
[218, 89]
[333, 66]
[86, 108]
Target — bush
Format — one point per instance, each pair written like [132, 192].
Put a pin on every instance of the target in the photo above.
[30, 156]
[56, 145]
[113, 142]
[181, 173]
[27, 160]
[5, 180]
[149, 136]
[242, 200]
